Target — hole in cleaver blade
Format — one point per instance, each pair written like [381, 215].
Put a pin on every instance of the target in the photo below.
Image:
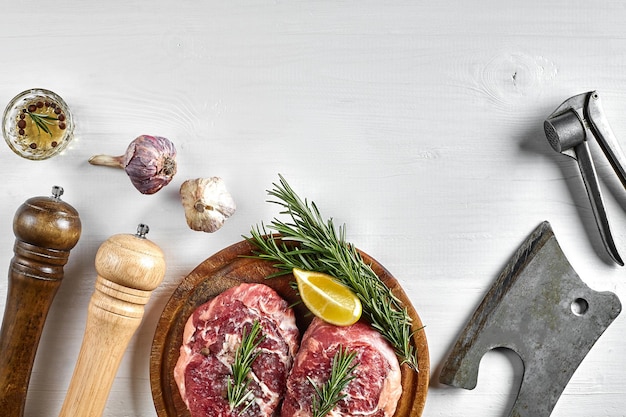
[541, 309]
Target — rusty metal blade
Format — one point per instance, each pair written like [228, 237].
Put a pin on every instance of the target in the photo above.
[541, 309]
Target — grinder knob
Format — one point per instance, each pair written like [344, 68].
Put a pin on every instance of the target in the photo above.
[129, 267]
[46, 229]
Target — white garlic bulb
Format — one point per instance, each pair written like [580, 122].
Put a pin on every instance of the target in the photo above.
[207, 203]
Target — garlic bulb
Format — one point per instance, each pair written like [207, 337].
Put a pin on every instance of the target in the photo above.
[207, 203]
[149, 161]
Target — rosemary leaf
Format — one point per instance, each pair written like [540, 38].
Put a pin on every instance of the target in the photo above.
[331, 392]
[310, 242]
[237, 391]
[42, 121]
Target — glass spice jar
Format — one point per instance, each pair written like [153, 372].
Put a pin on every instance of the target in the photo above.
[37, 124]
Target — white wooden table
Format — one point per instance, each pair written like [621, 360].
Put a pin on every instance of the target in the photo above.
[418, 124]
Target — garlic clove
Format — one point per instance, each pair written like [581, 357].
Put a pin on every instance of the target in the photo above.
[149, 162]
[207, 203]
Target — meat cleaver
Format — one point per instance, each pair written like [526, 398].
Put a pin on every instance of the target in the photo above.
[541, 309]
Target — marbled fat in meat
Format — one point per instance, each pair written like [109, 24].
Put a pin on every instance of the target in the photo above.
[373, 393]
[210, 338]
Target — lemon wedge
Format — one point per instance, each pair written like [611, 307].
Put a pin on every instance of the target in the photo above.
[327, 298]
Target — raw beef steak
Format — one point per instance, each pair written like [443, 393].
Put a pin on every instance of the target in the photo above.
[211, 336]
[374, 392]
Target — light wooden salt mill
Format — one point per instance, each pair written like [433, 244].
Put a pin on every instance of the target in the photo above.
[129, 268]
[45, 229]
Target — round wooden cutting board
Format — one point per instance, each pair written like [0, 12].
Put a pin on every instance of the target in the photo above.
[230, 267]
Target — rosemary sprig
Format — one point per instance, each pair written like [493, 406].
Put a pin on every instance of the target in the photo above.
[237, 391]
[331, 392]
[42, 121]
[320, 247]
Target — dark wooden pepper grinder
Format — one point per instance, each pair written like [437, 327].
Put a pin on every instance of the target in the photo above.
[46, 229]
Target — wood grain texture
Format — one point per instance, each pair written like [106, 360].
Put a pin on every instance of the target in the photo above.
[45, 229]
[417, 124]
[230, 267]
[129, 269]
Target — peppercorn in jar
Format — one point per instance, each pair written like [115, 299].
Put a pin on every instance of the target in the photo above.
[37, 124]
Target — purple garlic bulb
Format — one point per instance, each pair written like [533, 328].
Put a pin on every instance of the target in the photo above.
[149, 161]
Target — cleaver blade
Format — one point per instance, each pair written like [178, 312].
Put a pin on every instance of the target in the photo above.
[539, 308]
